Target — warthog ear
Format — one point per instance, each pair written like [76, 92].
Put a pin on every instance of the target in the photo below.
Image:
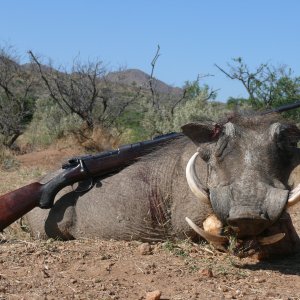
[202, 132]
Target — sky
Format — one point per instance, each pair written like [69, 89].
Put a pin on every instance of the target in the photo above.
[193, 35]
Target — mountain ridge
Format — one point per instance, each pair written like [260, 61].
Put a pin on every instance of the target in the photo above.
[138, 78]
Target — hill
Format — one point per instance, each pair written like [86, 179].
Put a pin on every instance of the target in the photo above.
[138, 78]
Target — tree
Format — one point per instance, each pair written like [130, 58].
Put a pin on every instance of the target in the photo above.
[84, 91]
[288, 91]
[17, 96]
[236, 103]
[267, 86]
[162, 110]
[193, 105]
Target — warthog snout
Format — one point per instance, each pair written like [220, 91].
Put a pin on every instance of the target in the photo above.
[246, 221]
[248, 214]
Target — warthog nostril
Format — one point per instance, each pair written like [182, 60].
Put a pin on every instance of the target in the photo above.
[248, 226]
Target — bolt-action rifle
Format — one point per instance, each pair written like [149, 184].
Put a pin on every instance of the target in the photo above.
[15, 204]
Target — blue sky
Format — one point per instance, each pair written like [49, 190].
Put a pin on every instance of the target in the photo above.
[193, 35]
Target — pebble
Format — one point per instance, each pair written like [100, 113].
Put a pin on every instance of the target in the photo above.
[145, 249]
[155, 295]
[259, 280]
[206, 273]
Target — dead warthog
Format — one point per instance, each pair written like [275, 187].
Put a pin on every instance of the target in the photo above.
[243, 172]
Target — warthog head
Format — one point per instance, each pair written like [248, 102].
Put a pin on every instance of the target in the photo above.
[248, 163]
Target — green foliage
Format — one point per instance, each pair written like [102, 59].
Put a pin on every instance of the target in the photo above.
[195, 105]
[15, 115]
[129, 123]
[175, 248]
[10, 164]
[17, 96]
[8, 161]
[50, 123]
[267, 86]
[197, 110]
[238, 103]
[29, 108]
[287, 91]
[193, 89]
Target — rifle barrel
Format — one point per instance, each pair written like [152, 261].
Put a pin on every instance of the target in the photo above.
[281, 109]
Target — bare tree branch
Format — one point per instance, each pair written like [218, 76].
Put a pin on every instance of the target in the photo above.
[85, 91]
[155, 101]
[17, 96]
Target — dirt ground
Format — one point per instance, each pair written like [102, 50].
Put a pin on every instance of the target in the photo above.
[95, 269]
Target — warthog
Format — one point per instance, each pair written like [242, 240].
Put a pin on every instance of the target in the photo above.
[242, 174]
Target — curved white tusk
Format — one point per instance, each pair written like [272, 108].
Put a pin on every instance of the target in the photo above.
[216, 239]
[193, 180]
[272, 239]
[294, 196]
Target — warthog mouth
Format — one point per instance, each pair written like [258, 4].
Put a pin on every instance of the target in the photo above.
[212, 224]
[279, 239]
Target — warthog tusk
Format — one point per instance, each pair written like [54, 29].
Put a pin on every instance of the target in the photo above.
[294, 196]
[272, 239]
[193, 180]
[215, 239]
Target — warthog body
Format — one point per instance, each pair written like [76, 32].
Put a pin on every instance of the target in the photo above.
[146, 201]
[247, 167]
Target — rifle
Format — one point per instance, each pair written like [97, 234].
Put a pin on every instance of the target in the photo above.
[281, 108]
[15, 204]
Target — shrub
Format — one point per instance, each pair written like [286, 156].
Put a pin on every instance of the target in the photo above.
[50, 123]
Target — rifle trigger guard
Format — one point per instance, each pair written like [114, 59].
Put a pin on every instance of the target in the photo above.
[83, 168]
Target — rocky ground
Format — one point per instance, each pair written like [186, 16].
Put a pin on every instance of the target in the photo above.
[95, 269]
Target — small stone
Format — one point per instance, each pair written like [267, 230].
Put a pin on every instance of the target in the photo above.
[206, 273]
[157, 248]
[259, 280]
[155, 295]
[145, 249]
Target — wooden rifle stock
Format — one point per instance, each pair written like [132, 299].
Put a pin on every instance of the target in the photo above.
[15, 204]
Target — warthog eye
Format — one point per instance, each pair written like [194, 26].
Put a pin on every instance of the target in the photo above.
[285, 136]
[283, 142]
[204, 153]
[286, 141]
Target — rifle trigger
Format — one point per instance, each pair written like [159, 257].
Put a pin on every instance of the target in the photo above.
[82, 168]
